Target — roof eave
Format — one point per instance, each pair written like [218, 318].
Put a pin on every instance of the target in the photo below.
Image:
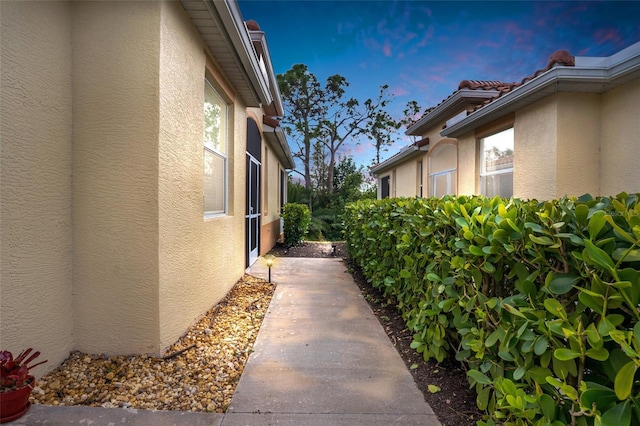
[278, 141]
[401, 156]
[243, 70]
[275, 109]
[451, 106]
[556, 80]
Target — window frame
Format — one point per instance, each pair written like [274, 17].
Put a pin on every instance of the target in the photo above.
[385, 186]
[217, 153]
[419, 177]
[434, 163]
[483, 174]
[449, 174]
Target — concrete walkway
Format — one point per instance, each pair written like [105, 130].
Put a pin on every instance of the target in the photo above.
[320, 358]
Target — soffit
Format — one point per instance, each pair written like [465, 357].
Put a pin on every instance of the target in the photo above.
[457, 102]
[227, 40]
[406, 153]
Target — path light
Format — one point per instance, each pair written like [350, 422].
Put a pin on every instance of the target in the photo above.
[269, 259]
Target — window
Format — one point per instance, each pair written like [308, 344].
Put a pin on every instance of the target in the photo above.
[419, 178]
[215, 152]
[283, 189]
[384, 187]
[265, 186]
[496, 164]
[443, 166]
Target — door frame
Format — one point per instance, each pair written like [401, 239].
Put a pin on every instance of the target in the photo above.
[252, 213]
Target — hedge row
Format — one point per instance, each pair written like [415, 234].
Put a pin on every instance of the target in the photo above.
[540, 301]
[297, 218]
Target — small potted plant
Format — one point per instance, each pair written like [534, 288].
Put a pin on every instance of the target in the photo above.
[16, 383]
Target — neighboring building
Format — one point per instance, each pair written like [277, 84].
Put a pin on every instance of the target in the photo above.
[128, 209]
[569, 129]
[428, 167]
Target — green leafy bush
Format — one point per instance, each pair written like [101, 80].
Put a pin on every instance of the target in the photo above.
[297, 219]
[539, 300]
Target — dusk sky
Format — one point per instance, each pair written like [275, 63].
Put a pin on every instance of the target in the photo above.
[423, 49]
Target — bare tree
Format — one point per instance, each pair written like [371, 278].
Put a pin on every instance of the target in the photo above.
[382, 128]
[347, 120]
[304, 108]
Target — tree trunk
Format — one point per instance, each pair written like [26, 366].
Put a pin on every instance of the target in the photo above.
[332, 162]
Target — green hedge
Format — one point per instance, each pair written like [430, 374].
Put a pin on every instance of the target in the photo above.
[297, 218]
[540, 301]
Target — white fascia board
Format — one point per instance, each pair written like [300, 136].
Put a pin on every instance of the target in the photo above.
[397, 158]
[447, 108]
[467, 124]
[505, 104]
[278, 140]
[231, 18]
[621, 66]
[261, 38]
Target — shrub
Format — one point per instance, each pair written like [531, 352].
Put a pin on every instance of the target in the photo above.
[538, 300]
[297, 219]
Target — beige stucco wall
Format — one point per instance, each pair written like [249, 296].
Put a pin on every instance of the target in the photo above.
[535, 132]
[433, 133]
[149, 263]
[35, 180]
[467, 174]
[195, 269]
[270, 197]
[406, 176]
[578, 149]
[104, 246]
[620, 150]
[569, 144]
[115, 205]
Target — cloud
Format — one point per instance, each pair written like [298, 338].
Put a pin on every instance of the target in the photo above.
[386, 48]
[605, 35]
[398, 91]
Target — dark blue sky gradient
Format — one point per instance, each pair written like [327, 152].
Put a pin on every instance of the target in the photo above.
[423, 49]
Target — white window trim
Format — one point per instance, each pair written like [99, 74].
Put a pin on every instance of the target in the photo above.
[483, 174]
[420, 176]
[433, 176]
[212, 214]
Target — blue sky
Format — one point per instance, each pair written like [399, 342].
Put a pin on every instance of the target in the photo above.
[423, 49]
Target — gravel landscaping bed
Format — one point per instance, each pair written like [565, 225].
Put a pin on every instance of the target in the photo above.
[201, 370]
[197, 373]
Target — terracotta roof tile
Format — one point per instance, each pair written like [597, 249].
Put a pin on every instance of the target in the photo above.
[559, 57]
[269, 121]
[481, 84]
[252, 25]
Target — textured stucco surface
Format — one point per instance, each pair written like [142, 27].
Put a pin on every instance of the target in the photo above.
[406, 176]
[105, 247]
[467, 155]
[115, 205]
[620, 149]
[35, 180]
[578, 150]
[199, 259]
[270, 181]
[535, 133]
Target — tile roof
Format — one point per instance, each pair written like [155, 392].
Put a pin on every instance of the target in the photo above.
[481, 84]
[559, 57]
[400, 155]
[477, 94]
